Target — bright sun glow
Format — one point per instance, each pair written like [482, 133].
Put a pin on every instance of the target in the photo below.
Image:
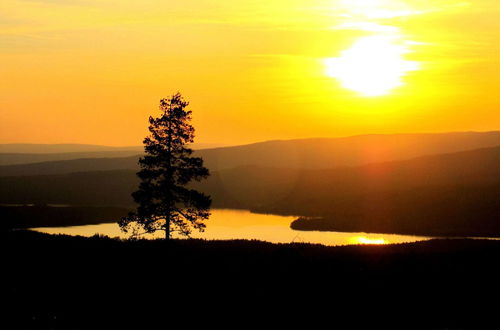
[366, 240]
[373, 66]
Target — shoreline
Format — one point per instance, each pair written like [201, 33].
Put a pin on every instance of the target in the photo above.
[325, 224]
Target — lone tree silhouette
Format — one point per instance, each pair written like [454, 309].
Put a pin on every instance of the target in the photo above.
[164, 201]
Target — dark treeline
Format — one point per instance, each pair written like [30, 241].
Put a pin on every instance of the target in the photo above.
[62, 282]
[430, 211]
[100, 188]
[47, 216]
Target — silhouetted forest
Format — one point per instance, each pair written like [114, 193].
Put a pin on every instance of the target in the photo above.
[47, 216]
[63, 282]
[100, 188]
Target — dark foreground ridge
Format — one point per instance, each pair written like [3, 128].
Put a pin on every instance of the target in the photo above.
[64, 282]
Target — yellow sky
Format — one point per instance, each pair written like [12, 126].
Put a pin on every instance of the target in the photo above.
[92, 71]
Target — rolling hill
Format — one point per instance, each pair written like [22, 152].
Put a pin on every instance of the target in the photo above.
[324, 153]
[22, 159]
[71, 166]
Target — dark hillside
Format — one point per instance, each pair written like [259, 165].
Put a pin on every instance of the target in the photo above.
[63, 282]
[71, 166]
[101, 188]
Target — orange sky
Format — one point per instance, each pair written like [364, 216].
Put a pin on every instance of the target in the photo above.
[92, 71]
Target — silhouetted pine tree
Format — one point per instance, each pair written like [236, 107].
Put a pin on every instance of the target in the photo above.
[164, 201]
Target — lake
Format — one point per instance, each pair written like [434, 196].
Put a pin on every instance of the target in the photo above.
[226, 224]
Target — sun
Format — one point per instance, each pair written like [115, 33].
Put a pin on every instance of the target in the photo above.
[373, 66]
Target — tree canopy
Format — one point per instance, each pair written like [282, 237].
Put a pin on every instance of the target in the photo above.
[165, 201]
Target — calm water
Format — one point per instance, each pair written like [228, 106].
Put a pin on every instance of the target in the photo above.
[239, 224]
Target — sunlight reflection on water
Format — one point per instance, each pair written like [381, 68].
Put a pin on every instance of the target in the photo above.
[227, 224]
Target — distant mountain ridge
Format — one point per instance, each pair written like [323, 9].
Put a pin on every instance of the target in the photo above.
[18, 154]
[324, 153]
[22, 159]
[254, 186]
[34, 148]
[317, 153]
[44, 148]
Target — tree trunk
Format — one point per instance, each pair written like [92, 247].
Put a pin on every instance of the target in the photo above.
[169, 179]
[167, 227]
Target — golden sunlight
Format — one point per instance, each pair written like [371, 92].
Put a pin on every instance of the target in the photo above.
[378, 9]
[373, 66]
[366, 240]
